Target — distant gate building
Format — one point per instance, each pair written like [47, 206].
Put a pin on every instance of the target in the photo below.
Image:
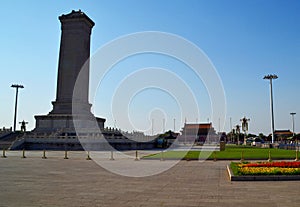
[198, 133]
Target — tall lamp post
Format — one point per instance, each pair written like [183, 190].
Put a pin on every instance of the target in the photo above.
[293, 119]
[174, 124]
[16, 86]
[271, 77]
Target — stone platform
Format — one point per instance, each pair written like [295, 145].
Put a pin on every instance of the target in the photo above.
[61, 140]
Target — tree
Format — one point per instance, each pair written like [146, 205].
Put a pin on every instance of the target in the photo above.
[262, 136]
[251, 135]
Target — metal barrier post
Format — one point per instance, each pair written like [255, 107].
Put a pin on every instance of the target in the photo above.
[66, 155]
[44, 155]
[23, 154]
[3, 154]
[136, 156]
[269, 159]
[162, 156]
[88, 156]
[215, 156]
[242, 157]
[111, 155]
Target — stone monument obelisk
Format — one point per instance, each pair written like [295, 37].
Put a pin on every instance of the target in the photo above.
[70, 125]
[74, 52]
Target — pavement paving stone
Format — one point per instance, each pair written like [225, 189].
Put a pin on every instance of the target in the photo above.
[77, 182]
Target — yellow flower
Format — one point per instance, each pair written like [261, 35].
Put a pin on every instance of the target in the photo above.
[268, 171]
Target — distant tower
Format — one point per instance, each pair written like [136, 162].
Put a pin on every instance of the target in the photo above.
[76, 28]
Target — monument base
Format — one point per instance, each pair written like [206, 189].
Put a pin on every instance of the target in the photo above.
[65, 123]
[106, 140]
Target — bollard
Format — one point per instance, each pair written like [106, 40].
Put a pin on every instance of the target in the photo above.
[3, 154]
[111, 155]
[269, 159]
[66, 155]
[297, 155]
[215, 156]
[187, 157]
[88, 156]
[23, 154]
[44, 155]
[162, 156]
[136, 156]
[242, 156]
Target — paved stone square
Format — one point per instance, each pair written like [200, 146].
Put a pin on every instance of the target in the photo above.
[55, 181]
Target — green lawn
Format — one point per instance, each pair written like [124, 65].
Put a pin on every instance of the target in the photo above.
[231, 152]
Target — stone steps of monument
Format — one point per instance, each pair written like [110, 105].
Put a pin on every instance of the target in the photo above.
[10, 137]
[5, 145]
[7, 140]
[4, 133]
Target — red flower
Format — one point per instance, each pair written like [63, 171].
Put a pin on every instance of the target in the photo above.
[282, 164]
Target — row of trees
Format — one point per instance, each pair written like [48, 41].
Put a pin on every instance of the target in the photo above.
[233, 137]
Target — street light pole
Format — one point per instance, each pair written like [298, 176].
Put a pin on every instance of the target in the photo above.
[230, 130]
[238, 133]
[16, 102]
[174, 125]
[271, 77]
[293, 119]
[152, 126]
[219, 125]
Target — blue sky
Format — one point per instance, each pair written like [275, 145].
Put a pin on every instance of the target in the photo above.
[245, 40]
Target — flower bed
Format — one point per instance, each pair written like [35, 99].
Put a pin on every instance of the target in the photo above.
[266, 168]
[282, 164]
